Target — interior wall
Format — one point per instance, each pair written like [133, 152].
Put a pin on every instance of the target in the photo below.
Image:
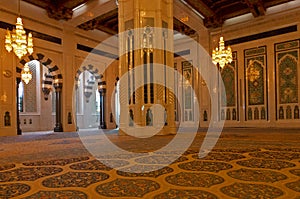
[261, 48]
[64, 53]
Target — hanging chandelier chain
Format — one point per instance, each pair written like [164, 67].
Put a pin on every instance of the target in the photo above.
[20, 43]
[19, 12]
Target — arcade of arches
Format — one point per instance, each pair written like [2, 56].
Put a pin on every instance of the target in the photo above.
[261, 83]
[149, 77]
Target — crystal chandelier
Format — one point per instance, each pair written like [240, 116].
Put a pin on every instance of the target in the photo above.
[221, 55]
[26, 75]
[17, 39]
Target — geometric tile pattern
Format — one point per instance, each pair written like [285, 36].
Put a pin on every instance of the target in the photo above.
[255, 169]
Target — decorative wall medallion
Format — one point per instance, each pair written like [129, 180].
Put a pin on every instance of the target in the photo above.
[7, 73]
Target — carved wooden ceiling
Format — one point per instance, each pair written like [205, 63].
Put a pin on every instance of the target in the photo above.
[213, 11]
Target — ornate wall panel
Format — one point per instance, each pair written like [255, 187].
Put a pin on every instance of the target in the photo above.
[256, 83]
[287, 80]
[30, 90]
[187, 91]
[229, 73]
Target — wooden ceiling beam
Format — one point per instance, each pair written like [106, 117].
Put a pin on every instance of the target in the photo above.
[256, 7]
[92, 10]
[201, 7]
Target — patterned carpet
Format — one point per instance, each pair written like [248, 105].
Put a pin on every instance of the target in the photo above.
[245, 163]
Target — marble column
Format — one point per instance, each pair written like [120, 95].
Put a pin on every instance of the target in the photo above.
[58, 89]
[102, 91]
[19, 131]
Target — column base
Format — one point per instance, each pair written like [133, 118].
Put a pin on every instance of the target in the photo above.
[58, 128]
[102, 126]
[19, 131]
[144, 132]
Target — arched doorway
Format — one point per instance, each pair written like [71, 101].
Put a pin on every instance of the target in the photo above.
[33, 110]
[87, 97]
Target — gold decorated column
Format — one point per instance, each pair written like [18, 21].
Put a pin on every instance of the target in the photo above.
[146, 67]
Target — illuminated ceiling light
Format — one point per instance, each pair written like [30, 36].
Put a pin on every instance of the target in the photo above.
[194, 10]
[184, 19]
[221, 55]
[26, 75]
[17, 39]
[78, 7]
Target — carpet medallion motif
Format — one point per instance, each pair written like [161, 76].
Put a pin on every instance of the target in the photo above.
[266, 164]
[243, 190]
[197, 165]
[75, 179]
[193, 194]
[13, 190]
[194, 179]
[127, 188]
[245, 165]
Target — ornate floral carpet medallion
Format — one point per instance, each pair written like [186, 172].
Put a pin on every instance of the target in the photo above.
[153, 174]
[244, 165]
[267, 164]
[127, 187]
[7, 166]
[28, 174]
[294, 185]
[75, 179]
[13, 190]
[197, 194]
[243, 190]
[193, 179]
[227, 157]
[70, 194]
[204, 166]
[257, 175]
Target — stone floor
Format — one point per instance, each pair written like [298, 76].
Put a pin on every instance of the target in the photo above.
[245, 163]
